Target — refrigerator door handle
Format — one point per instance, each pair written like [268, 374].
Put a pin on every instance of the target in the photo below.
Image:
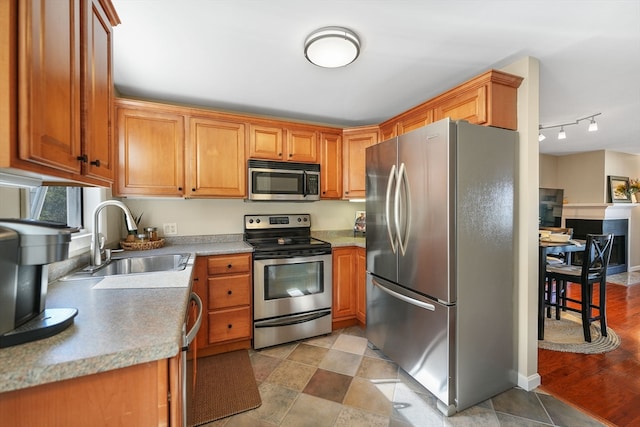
[403, 182]
[404, 298]
[387, 207]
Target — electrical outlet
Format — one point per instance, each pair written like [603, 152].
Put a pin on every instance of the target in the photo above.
[170, 229]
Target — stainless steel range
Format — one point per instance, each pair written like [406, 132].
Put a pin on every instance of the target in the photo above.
[291, 279]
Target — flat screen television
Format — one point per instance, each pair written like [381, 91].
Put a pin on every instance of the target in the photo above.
[550, 207]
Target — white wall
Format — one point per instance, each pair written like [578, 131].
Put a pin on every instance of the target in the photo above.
[195, 217]
[526, 232]
[10, 206]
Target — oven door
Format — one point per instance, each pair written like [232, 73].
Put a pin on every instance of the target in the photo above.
[285, 286]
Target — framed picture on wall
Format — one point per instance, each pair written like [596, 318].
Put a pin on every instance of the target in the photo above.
[619, 189]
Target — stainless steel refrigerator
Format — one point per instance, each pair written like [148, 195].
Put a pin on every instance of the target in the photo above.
[440, 285]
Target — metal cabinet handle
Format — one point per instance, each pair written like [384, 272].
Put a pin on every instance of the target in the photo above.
[96, 163]
[229, 292]
[83, 158]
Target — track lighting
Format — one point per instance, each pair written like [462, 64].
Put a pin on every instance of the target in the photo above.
[593, 126]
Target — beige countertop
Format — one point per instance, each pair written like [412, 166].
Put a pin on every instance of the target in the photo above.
[120, 326]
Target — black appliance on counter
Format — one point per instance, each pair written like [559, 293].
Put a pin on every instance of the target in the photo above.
[291, 279]
[26, 249]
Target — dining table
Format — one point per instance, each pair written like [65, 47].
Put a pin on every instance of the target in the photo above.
[547, 247]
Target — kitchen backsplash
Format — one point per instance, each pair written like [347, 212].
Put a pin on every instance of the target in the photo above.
[194, 217]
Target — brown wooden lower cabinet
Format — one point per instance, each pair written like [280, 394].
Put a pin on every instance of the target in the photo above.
[137, 395]
[223, 282]
[349, 297]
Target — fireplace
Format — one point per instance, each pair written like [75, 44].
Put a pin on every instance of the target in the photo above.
[618, 227]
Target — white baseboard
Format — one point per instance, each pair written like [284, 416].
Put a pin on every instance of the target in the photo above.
[529, 383]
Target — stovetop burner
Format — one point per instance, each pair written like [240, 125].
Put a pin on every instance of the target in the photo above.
[283, 234]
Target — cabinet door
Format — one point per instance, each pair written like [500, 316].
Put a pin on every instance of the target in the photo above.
[330, 166]
[361, 285]
[150, 153]
[265, 142]
[344, 292]
[98, 145]
[355, 144]
[302, 146]
[229, 291]
[229, 324]
[217, 158]
[49, 88]
[415, 120]
[470, 105]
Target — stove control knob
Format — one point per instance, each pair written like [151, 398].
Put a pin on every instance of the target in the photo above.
[258, 221]
[250, 220]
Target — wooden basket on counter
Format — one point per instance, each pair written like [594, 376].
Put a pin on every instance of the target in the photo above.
[141, 246]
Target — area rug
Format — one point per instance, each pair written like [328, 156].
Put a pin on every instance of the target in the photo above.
[566, 335]
[628, 278]
[225, 386]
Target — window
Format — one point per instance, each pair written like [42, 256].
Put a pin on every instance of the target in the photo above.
[57, 204]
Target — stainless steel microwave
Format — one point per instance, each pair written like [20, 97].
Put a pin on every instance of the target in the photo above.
[283, 181]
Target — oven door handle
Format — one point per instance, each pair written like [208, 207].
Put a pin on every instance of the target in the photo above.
[292, 320]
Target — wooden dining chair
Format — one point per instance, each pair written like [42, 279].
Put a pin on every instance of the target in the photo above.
[593, 270]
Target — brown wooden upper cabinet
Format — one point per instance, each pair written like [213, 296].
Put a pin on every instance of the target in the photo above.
[216, 156]
[330, 165]
[356, 141]
[150, 151]
[173, 151]
[62, 110]
[289, 144]
[489, 99]
[265, 142]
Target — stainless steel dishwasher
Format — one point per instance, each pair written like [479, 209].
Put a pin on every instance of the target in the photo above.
[187, 338]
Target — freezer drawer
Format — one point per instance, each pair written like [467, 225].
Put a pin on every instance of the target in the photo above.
[418, 338]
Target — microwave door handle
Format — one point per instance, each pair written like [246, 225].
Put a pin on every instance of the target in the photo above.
[304, 183]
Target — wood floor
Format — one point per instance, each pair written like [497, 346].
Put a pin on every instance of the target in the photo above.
[607, 385]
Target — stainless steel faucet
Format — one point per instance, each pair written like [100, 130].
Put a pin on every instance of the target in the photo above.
[96, 246]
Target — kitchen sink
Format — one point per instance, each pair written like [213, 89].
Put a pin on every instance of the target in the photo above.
[133, 265]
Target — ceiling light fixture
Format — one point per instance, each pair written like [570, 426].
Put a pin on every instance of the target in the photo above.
[332, 47]
[562, 134]
[541, 137]
[593, 126]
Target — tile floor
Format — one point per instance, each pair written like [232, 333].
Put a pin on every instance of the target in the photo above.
[337, 380]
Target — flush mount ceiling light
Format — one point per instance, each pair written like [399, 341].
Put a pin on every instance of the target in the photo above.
[332, 47]
[593, 126]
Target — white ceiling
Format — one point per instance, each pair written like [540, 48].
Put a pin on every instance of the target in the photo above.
[247, 56]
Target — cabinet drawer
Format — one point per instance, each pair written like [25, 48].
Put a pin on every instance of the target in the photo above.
[229, 264]
[230, 324]
[229, 291]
